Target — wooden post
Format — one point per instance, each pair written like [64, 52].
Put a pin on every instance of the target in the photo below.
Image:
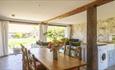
[92, 58]
[70, 43]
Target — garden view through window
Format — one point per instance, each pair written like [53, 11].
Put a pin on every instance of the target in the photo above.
[26, 34]
[58, 31]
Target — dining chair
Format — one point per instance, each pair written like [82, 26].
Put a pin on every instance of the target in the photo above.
[23, 49]
[72, 45]
[32, 64]
[67, 48]
[76, 49]
[25, 59]
[78, 55]
[78, 52]
[29, 61]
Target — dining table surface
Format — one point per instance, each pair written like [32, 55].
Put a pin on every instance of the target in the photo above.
[64, 62]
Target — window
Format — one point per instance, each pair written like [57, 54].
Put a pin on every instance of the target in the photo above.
[26, 34]
[60, 30]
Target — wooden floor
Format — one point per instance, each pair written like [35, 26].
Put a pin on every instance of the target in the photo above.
[11, 62]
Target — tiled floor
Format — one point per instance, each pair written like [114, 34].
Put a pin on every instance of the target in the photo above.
[14, 62]
[11, 62]
[111, 68]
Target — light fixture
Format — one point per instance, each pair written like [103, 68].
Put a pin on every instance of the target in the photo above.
[13, 15]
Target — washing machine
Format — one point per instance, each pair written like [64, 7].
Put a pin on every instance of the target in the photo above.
[102, 57]
[111, 54]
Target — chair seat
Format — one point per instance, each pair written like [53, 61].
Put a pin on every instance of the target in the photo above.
[38, 64]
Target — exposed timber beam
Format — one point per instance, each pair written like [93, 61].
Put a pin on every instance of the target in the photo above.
[80, 9]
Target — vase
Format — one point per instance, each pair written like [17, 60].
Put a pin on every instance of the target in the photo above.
[55, 55]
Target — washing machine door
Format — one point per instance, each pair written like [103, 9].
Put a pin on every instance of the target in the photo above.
[103, 57]
[103, 64]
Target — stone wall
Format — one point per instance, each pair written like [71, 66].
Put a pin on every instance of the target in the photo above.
[79, 31]
[105, 30]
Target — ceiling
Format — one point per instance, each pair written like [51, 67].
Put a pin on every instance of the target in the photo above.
[40, 10]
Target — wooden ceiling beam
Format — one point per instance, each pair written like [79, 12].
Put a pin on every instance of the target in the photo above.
[80, 9]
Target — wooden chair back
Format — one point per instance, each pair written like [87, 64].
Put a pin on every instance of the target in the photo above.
[23, 49]
[25, 58]
[77, 49]
[79, 52]
[31, 61]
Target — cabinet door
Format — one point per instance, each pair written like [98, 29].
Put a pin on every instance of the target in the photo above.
[111, 57]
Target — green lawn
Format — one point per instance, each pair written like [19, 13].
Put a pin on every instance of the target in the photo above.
[14, 42]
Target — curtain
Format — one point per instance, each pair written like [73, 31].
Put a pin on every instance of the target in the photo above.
[42, 30]
[68, 32]
[3, 38]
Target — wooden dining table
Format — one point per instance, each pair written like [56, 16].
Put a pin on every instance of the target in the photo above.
[64, 62]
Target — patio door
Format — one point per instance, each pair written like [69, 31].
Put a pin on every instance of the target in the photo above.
[21, 33]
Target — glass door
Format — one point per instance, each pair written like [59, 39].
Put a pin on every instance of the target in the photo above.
[26, 34]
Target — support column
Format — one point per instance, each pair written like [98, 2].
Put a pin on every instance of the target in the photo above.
[92, 58]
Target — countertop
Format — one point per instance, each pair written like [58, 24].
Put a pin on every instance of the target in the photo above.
[98, 44]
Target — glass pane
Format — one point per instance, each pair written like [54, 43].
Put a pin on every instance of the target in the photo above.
[59, 32]
[22, 34]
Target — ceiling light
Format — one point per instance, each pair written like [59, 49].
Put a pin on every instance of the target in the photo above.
[13, 15]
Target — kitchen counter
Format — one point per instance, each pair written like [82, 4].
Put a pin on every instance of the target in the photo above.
[98, 44]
